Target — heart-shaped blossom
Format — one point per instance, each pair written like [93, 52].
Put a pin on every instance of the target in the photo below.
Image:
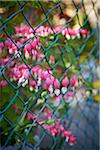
[65, 82]
[73, 81]
[56, 84]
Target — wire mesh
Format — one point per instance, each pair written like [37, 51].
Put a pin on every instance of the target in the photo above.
[48, 69]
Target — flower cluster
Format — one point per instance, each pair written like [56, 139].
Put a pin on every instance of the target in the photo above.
[52, 126]
[33, 48]
[11, 47]
[25, 31]
[4, 61]
[3, 83]
[19, 73]
[38, 76]
[58, 129]
[44, 31]
[42, 78]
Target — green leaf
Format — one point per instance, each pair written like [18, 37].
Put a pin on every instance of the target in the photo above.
[89, 84]
[71, 55]
[74, 70]
[50, 121]
[21, 122]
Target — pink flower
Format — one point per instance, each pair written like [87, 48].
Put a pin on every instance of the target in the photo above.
[15, 73]
[35, 70]
[50, 126]
[64, 32]
[70, 93]
[57, 128]
[33, 45]
[49, 81]
[73, 81]
[12, 48]
[56, 84]
[32, 83]
[52, 59]
[53, 131]
[72, 32]
[29, 116]
[28, 51]
[45, 126]
[65, 82]
[44, 86]
[7, 43]
[39, 56]
[3, 83]
[27, 47]
[59, 97]
[67, 134]
[45, 75]
[15, 108]
[19, 71]
[24, 31]
[40, 29]
[58, 29]
[17, 29]
[72, 140]
[49, 115]
[50, 31]
[84, 32]
[38, 119]
[5, 61]
[25, 73]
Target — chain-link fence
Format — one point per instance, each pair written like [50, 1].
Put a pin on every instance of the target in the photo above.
[49, 72]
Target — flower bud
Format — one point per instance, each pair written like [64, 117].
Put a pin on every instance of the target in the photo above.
[73, 81]
[56, 84]
[65, 82]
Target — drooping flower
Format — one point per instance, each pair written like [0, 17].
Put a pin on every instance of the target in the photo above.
[56, 84]
[32, 84]
[30, 116]
[3, 83]
[52, 59]
[73, 81]
[72, 140]
[65, 82]
[49, 81]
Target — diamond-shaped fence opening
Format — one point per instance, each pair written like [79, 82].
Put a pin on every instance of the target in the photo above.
[49, 71]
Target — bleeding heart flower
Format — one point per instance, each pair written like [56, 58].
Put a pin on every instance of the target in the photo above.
[32, 83]
[44, 86]
[53, 131]
[3, 83]
[52, 59]
[29, 116]
[72, 140]
[73, 81]
[49, 81]
[65, 82]
[56, 84]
